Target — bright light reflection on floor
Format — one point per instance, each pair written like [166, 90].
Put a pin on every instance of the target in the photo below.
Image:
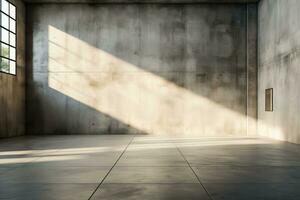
[64, 154]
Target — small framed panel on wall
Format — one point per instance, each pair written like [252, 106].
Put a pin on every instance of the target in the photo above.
[269, 100]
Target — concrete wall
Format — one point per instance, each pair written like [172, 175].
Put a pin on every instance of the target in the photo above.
[149, 68]
[12, 88]
[142, 1]
[279, 61]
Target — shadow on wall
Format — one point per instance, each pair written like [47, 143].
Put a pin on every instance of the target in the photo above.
[56, 113]
[136, 98]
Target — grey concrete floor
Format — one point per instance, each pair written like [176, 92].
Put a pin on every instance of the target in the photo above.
[143, 167]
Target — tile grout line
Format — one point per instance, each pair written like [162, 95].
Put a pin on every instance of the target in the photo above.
[111, 168]
[208, 194]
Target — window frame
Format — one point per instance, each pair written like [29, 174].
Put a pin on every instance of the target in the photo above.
[9, 31]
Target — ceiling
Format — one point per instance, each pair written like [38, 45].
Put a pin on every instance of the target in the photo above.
[141, 1]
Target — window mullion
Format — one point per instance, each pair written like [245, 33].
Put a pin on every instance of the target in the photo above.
[8, 51]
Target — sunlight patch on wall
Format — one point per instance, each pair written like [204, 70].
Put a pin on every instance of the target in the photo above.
[136, 97]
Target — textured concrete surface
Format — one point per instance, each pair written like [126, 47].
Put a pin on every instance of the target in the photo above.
[141, 1]
[155, 69]
[143, 167]
[252, 68]
[279, 44]
[12, 88]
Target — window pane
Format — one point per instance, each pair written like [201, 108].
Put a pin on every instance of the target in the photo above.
[4, 6]
[12, 11]
[4, 50]
[12, 53]
[12, 67]
[4, 35]
[12, 25]
[8, 39]
[4, 65]
[4, 20]
[12, 39]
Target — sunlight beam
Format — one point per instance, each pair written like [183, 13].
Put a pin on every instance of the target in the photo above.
[134, 96]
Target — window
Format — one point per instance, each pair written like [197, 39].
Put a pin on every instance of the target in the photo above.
[8, 38]
[269, 100]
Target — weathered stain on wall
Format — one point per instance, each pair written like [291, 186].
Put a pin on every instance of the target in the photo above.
[279, 50]
[165, 58]
[12, 88]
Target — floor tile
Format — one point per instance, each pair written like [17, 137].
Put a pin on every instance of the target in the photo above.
[152, 158]
[254, 191]
[152, 161]
[234, 174]
[150, 192]
[4, 169]
[30, 191]
[45, 174]
[80, 159]
[151, 175]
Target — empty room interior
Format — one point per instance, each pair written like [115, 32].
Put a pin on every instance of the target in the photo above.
[149, 100]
